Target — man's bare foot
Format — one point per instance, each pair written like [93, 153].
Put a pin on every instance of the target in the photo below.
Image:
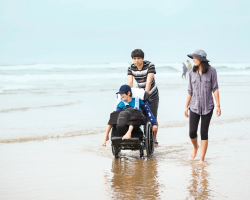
[193, 154]
[127, 136]
[156, 144]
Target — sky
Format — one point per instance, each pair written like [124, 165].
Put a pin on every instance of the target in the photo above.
[107, 31]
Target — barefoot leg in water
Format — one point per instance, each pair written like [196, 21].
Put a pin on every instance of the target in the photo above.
[196, 146]
[155, 133]
[204, 144]
[127, 136]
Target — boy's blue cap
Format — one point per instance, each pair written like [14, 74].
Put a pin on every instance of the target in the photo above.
[124, 89]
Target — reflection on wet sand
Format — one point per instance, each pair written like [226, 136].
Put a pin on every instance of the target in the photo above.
[199, 186]
[134, 179]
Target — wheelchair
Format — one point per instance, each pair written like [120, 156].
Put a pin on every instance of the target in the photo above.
[142, 138]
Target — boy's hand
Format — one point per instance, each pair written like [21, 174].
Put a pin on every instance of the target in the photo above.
[104, 141]
[155, 128]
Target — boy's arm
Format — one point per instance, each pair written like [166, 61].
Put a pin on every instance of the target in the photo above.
[149, 114]
[106, 135]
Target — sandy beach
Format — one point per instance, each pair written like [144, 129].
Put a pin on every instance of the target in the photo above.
[52, 126]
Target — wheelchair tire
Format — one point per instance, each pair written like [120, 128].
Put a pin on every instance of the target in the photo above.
[149, 141]
[116, 151]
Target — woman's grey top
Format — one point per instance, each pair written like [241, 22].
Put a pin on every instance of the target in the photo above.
[200, 87]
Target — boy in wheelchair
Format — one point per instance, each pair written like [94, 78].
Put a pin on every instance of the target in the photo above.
[126, 121]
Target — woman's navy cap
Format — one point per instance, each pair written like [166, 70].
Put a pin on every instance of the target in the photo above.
[124, 89]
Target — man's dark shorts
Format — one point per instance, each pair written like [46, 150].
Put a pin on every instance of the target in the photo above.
[154, 107]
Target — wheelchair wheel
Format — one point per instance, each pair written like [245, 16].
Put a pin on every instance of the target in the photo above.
[116, 151]
[149, 142]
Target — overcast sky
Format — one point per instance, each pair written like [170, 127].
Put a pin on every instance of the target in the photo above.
[100, 31]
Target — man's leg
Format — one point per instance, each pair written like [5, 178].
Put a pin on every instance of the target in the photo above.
[154, 109]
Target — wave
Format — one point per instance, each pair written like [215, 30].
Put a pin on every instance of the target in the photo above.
[97, 130]
[235, 73]
[62, 66]
[113, 66]
[185, 123]
[103, 76]
[169, 68]
[56, 136]
[28, 108]
[58, 77]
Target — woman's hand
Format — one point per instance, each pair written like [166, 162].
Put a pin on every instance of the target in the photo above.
[218, 111]
[186, 112]
[155, 128]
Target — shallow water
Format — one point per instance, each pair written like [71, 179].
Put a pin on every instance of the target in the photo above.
[52, 124]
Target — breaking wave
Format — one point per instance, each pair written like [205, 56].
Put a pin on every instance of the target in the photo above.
[56, 136]
[28, 108]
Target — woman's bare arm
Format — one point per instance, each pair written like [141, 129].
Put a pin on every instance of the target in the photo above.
[217, 99]
[186, 106]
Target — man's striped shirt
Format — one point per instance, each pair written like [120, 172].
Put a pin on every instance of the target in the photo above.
[141, 77]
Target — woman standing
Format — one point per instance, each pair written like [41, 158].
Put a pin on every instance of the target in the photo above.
[202, 83]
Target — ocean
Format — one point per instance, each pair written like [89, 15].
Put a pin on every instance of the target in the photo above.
[53, 118]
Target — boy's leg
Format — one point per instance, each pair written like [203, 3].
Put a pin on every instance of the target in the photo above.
[128, 134]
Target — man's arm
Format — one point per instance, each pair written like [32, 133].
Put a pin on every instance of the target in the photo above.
[149, 81]
[130, 80]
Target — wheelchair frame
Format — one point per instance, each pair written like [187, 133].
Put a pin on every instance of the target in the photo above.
[135, 143]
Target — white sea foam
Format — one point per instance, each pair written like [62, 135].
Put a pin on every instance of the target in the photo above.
[58, 77]
[177, 66]
[42, 76]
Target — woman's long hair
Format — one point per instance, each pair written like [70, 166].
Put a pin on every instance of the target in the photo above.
[204, 65]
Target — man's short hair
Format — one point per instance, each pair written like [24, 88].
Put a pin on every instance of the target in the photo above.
[137, 53]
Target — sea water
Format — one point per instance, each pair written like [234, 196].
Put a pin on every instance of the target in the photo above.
[52, 122]
[41, 101]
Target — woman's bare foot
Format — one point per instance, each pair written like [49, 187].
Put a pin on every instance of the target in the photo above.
[127, 136]
[202, 162]
[193, 154]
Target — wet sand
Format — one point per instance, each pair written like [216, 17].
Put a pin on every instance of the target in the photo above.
[51, 134]
[78, 167]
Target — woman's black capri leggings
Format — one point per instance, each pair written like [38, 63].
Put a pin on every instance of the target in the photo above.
[194, 122]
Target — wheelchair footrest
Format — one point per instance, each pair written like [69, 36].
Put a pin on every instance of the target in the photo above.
[134, 142]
